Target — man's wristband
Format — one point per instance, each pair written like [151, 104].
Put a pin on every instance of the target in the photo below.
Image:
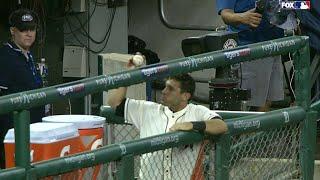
[199, 126]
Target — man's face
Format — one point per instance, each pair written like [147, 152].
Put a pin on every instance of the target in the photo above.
[171, 94]
[24, 39]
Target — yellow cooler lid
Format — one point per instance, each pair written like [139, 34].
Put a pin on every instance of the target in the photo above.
[81, 121]
[45, 133]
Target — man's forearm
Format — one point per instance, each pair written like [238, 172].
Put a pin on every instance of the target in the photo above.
[116, 96]
[216, 126]
[250, 17]
[229, 17]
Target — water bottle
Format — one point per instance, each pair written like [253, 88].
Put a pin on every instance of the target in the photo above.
[44, 72]
[235, 71]
[43, 68]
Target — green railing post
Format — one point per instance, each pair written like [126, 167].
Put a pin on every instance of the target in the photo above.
[222, 157]
[22, 139]
[125, 169]
[301, 59]
[80, 88]
[303, 99]
[309, 134]
[28, 99]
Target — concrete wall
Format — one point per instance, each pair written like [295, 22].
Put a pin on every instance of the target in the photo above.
[118, 41]
[144, 22]
[97, 28]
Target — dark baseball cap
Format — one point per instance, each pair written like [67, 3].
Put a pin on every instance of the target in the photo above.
[23, 19]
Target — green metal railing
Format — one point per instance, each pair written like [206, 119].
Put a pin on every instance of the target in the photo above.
[28, 99]
[20, 101]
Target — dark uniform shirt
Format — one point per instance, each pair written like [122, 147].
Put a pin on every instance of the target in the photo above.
[17, 73]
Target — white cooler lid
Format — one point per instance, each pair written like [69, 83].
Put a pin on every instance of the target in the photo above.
[44, 133]
[81, 121]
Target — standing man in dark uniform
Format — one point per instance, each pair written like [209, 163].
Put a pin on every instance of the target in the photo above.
[17, 67]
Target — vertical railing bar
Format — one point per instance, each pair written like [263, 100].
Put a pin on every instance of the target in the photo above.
[222, 157]
[22, 139]
[125, 169]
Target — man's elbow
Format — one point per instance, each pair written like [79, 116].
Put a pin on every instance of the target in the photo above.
[217, 127]
[223, 126]
[113, 103]
[227, 15]
[225, 20]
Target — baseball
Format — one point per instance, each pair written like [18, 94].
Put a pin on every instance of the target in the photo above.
[137, 60]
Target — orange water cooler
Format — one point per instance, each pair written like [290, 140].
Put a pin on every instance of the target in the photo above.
[47, 141]
[91, 136]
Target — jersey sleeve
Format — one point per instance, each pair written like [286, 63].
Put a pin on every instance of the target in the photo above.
[135, 110]
[205, 114]
[225, 4]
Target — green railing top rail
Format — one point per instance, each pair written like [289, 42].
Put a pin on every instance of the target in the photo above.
[274, 119]
[115, 152]
[28, 99]
[236, 114]
[265, 121]
[13, 173]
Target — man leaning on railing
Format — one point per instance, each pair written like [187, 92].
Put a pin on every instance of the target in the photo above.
[173, 114]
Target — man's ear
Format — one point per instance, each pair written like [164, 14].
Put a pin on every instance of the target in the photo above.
[12, 31]
[187, 96]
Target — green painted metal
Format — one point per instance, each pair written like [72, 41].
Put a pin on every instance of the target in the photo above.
[222, 157]
[308, 146]
[245, 124]
[301, 59]
[110, 115]
[265, 121]
[126, 169]
[115, 152]
[235, 114]
[13, 173]
[315, 106]
[252, 123]
[25, 100]
[250, 140]
[22, 139]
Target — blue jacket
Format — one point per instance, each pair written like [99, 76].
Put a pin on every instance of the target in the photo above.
[17, 74]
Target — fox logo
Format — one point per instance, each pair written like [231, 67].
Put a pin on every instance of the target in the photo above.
[295, 4]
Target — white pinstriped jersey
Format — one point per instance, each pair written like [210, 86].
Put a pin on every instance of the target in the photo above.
[153, 119]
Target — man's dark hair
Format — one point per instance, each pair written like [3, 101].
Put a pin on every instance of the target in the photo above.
[24, 19]
[187, 83]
